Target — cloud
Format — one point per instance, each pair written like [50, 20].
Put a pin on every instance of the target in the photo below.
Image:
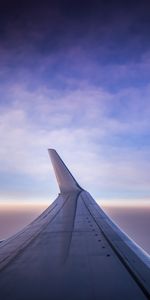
[76, 80]
[91, 128]
[55, 44]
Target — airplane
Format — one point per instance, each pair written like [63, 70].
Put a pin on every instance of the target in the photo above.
[72, 251]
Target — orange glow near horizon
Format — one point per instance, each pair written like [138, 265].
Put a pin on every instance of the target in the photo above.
[101, 202]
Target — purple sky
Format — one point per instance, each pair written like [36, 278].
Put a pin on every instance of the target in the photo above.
[75, 76]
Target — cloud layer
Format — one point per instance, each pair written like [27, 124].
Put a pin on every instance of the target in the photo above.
[102, 136]
[77, 80]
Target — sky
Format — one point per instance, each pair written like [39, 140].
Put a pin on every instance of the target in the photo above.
[75, 76]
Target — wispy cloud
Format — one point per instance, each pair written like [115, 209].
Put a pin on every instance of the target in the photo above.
[76, 80]
[91, 128]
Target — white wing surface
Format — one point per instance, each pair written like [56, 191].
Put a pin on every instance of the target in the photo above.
[74, 251]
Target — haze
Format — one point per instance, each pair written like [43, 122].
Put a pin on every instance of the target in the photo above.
[135, 221]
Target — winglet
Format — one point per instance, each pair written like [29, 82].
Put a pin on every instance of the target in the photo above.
[65, 179]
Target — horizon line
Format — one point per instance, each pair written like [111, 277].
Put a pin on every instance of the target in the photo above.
[102, 202]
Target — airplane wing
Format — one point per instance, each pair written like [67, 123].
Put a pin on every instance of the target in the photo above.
[73, 251]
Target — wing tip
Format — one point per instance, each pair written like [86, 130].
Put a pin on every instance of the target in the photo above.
[65, 179]
[51, 149]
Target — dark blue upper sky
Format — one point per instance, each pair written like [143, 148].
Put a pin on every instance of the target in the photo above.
[75, 75]
[74, 39]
